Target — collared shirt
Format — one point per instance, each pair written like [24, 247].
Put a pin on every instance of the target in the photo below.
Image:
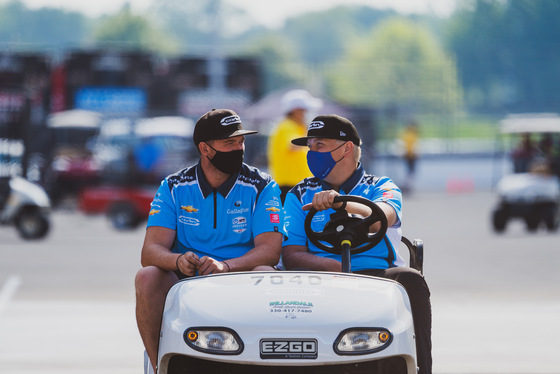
[377, 189]
[222, 222]
[287, 163]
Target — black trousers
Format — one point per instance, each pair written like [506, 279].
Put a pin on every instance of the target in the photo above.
[419, 294]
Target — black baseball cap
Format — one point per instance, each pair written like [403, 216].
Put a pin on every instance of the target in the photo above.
[330, 126]
[218, 124]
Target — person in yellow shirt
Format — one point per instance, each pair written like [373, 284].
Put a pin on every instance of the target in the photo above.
[287, 163]
[410, 141]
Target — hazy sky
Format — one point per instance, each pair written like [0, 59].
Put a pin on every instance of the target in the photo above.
[271, 13]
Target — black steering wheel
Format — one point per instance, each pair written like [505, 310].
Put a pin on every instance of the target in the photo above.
[346, 228]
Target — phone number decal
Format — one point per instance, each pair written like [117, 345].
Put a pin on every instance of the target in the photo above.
[290, 309]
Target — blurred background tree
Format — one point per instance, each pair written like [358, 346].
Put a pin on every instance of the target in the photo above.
[399, 63]
[131, 31]
[279, 61]
[41, 29]
[321, 37]
[506, 53]
[193, 24]
[490, 57]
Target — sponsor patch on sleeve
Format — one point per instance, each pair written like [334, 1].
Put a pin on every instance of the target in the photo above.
[388, 194]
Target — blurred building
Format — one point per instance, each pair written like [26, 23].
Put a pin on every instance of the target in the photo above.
[24, 98]
[119, 83]
[190, 87]
[113, 83]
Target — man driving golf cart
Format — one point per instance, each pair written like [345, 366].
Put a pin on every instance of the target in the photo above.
[334, 159]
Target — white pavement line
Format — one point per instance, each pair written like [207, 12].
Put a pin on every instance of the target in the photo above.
[8, 291]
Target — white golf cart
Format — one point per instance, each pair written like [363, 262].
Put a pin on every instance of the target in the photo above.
[294, 321]
[532, 193]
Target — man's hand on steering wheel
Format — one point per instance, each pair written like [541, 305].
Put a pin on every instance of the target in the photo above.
[323, 200]
[347, 226]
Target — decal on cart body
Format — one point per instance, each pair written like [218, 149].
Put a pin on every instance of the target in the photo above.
[290, 309]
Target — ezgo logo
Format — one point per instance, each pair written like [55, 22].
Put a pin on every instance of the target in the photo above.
[288, 348]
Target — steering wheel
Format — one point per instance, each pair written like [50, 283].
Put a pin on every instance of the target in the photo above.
[346, 228]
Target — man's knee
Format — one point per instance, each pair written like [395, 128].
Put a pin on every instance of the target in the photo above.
[152, 278]
[412, 280]
[146, 276]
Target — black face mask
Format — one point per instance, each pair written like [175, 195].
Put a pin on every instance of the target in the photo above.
[227, 162]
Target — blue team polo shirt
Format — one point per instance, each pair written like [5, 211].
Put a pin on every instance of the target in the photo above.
[377, 189]
[221, 222]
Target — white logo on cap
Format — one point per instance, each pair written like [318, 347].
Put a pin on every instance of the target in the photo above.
[316, 125]
[342, 133]
[226, 121]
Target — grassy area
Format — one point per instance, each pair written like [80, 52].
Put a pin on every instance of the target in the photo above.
[465, 127]
[472, 127]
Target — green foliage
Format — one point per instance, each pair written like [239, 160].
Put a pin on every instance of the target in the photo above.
[40, 29]
[277, 57]
[320, 38]
[196, 25]
[131, 31]
[504, 52]
[507, 53]
[463, 127]
[398, 64]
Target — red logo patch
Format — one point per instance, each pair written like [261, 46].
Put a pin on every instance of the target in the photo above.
[388, 195]
[275, 218]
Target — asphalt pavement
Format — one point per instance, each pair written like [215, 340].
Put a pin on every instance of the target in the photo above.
[67, 302]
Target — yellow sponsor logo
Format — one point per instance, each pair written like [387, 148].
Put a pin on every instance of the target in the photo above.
[189, 208]
[273, 209]
[154, 211]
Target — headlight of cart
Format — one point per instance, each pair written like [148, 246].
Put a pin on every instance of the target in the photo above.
[359, 341]
[215, 340]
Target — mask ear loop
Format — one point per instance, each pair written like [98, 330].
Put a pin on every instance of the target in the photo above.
[335, 150]
[215, 150]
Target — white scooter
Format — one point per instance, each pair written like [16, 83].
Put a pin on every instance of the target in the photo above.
[27, 206]
[294, 321]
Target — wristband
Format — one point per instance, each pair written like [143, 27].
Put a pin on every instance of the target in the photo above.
[177, 261]
[228, 268]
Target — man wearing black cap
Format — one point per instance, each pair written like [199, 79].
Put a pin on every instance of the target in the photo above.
[334, 159]
[218, 216]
